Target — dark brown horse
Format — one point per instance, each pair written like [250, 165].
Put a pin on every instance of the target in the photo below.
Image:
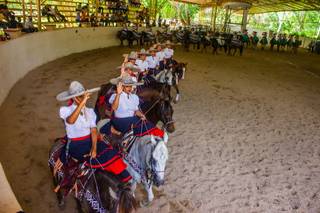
[97, 191]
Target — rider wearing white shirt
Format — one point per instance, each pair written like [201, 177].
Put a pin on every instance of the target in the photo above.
[81, 127]
[125, 105]
[128, 105]
[142, 64]
[168, 53]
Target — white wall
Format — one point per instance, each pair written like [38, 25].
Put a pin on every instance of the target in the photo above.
[21, 55]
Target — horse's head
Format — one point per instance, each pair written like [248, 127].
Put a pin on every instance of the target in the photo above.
[166, 113]
[158, 161]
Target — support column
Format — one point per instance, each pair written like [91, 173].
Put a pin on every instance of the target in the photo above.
[213, 22]
[244, 20]
[24, 11]
[39, 14]
[226, 19]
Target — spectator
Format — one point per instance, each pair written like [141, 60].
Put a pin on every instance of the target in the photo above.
[28, 26]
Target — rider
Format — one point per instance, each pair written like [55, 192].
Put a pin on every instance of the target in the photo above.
[132, 57]
[160, 56]
[245, 37]
[255, 39]
[168, 53]
[264, 40]
[273, 41]
[153, 62]
[82, 135]
[125, 105]
[142, 62]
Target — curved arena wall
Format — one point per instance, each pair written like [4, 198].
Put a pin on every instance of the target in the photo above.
[21, 55]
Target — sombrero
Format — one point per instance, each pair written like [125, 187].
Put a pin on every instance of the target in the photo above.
[126, 81]
[75, 89]
[132, 55]
[132, 67]
[143, 52]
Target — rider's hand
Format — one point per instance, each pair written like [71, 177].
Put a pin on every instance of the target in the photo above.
[125, 59]
[119, 88]
[57, 166]
[86, 96]
[93, 153]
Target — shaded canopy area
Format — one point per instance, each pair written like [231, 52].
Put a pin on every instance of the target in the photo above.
[263, 6]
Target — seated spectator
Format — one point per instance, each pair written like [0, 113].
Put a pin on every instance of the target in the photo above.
[48, 11]
[58, 14]
[28, 26]
[3, 35]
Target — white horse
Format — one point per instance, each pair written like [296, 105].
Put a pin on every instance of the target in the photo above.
[147, 162]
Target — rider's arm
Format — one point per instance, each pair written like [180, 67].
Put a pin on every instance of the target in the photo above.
[115, 102]
[94, 139]
[75, 114]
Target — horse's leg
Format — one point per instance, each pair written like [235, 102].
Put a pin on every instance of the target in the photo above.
[60, 197]
[79, 206]
[150, 195]
[178, 93]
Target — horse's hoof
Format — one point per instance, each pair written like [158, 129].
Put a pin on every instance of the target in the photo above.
[62, 205]
[145, 203]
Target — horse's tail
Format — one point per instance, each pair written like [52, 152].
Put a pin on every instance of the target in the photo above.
[127, 202]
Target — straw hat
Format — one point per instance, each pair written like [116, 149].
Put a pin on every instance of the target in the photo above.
[75, 89]
[152, 49]
[126, 81]
[143, 52]
[133, 55]
[132, 67]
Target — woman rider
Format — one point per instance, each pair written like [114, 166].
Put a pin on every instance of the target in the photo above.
[82, 135]
[125, 105]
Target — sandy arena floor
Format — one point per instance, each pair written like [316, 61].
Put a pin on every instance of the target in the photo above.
[247, 138]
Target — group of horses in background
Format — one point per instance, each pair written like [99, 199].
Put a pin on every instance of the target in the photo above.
[200, 40]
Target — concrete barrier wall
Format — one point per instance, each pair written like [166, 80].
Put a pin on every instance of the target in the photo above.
[21, 55]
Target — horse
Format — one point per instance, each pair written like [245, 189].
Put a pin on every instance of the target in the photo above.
[218, 42]
[146, 162]
[147, 37]
[164, 36]
[128, 35]
[99, 190]
[234, 44]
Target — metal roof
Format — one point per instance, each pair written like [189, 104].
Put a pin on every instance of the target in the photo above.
[264, 6]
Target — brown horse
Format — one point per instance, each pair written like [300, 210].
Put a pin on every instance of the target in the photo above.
[97, 191]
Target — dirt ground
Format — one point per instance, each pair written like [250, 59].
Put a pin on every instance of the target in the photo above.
[247, 138]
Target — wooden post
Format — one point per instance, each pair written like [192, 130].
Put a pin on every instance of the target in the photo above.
[39, 14]
[244, 19]
[24, 11]
[226, 20]
[214, 17]
[30, 7]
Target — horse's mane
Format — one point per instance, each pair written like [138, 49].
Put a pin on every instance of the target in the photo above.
[149, 94]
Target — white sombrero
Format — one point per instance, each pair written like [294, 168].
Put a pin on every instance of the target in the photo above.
[143, 52]
[132, 67]
[133, 55]
[126, 81]
[75, 89]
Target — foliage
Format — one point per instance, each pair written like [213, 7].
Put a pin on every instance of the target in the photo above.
[171, 9]
[306, 23]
